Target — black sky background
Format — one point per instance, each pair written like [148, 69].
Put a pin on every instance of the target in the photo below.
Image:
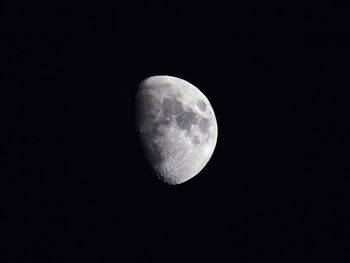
[74, 184]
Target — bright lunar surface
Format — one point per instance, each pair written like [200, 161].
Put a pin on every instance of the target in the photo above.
[177, 127]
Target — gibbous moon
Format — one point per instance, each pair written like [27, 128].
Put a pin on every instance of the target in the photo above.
[177, 127]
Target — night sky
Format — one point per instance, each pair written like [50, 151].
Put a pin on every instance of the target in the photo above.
[75, 186]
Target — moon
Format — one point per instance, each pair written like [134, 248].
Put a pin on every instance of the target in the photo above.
[177, 127]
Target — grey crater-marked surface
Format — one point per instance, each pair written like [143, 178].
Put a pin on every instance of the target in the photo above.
[177, 127]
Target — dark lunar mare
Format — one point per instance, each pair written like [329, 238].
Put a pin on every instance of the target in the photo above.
[204, 125]
[202, 105]
[195, 140]
[186, 119]
[171, 106]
